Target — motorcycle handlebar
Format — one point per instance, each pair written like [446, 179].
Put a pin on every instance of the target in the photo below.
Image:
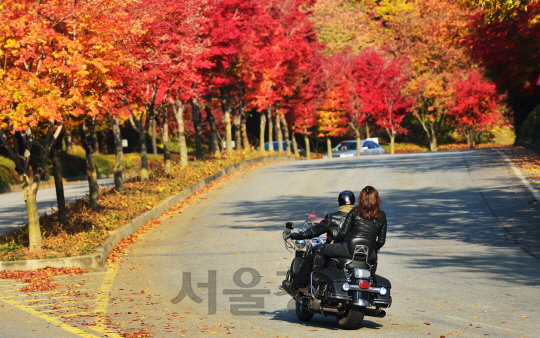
[286, 234]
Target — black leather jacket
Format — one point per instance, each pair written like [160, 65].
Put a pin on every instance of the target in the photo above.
[375, 230]
[337, 226]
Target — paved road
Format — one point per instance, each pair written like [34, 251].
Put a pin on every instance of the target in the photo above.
[13, 208]
[460, 252]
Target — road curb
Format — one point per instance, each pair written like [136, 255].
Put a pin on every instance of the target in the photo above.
[98, 260]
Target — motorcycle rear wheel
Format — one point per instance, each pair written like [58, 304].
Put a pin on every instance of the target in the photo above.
[352, 319]
[303, 313]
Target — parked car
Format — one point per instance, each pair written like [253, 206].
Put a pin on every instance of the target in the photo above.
[301, 150]
[348, 149]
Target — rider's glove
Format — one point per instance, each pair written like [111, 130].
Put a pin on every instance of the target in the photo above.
[296, 235]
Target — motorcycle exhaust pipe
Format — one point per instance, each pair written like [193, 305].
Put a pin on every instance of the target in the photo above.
[330, 309]
[375, 313]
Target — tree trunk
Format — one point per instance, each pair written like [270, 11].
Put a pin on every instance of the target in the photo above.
[358, 142]
[96, 143]
[91, 171]
[329, 147]
[145, 176]
[153, 128]
[198, 129]
[166, 143]
[178, 109]
[212, 123]
[270, 131]
[245, 140]
[119, 151]
[262, 130]
[392, 135]
[278, 131]
[306, 141]
[243, 126]
[22, 163]
[69, 143]
[227, 115]
[295, 146]
[471, 138]
[34, 233]
[432, 140]
[237, 119]
[367, 131]
[286, 133]
[58, 183]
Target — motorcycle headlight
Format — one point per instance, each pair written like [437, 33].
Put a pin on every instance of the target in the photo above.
[383, 291]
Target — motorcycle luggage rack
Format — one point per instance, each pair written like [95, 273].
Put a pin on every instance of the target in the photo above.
[360, 250]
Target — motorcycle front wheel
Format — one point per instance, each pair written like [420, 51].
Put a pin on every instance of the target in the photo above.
[303, 313]
[352, 318]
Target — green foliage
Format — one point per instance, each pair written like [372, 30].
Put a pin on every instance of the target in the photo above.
[530, 129]
[10, 246]
[498, 9]
[8, 175]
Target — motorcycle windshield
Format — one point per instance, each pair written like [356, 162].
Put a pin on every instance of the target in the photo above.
[318, 213]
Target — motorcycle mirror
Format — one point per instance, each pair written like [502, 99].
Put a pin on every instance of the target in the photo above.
[289, 225]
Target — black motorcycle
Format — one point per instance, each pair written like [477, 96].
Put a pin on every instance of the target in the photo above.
[344, 288]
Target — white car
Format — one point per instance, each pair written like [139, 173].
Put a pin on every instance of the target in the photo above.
[348, 149]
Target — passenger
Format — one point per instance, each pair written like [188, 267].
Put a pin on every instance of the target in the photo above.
[369, 222]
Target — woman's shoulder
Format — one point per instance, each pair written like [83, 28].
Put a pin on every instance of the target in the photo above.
[383, 214]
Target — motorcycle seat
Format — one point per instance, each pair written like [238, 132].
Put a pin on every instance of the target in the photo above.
[353, 242]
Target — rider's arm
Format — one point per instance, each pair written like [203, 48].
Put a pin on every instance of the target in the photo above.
[340, 232]
[314, 231]
[381, 236]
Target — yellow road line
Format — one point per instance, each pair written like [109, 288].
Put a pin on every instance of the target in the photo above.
[57, 292]
[40, 299]
[65, 308]
[71, 301]
[102, 300]
[10, 284]
[78, 314]
[2, 291]
[52, 320]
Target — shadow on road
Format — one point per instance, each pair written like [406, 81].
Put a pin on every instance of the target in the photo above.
[491, 215]
[317, 322]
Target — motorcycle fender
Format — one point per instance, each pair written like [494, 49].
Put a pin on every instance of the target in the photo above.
[295, 266]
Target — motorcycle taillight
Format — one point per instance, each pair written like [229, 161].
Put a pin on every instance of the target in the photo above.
[364, 284]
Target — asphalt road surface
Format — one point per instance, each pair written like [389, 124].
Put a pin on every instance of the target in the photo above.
[462, 253]
[13, 208]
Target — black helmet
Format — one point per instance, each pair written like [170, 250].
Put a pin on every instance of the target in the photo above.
[346, 197]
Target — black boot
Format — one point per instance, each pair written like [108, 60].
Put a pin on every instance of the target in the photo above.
[288, 286]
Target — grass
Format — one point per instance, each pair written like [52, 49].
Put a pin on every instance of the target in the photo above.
[87, 228]
[401, 148]
[8, 175]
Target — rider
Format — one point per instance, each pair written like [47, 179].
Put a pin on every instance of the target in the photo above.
[337, 225]
[369, 222]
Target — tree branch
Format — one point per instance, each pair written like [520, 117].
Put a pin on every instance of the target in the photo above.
[12, 151]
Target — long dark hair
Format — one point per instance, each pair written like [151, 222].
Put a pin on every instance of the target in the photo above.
[369, 203]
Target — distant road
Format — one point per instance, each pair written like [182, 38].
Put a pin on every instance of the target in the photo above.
[13, 207]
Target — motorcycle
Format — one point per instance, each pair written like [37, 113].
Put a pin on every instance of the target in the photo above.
[340, 287]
